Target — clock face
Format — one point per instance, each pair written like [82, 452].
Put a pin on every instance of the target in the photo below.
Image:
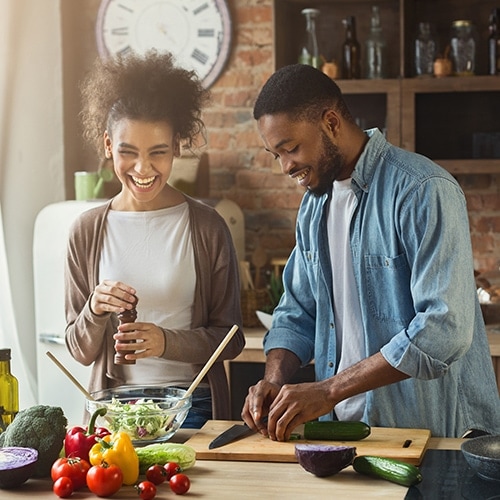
[196, 32]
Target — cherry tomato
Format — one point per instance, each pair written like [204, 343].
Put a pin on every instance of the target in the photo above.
[171, 469]
[63, 487]
[179, 483]
[104, 480]
[156, 474]
[147, 490]
[74, 467]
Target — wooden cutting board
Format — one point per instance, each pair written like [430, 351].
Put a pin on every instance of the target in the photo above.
[383, 442]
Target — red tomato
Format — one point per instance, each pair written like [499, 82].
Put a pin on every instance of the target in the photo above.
[147, 490]
[104, 480]
[74, 467]
[63, 487]
[171, 469]
[179, 483]
[156, 474]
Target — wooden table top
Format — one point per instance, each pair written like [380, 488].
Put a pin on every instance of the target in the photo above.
[213, 479]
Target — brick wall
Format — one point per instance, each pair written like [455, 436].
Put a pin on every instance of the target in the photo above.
[242, 171]
[483, 202]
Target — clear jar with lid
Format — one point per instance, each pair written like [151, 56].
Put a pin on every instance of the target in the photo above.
[463, 47]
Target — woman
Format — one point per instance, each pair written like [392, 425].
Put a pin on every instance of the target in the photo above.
[151, 242]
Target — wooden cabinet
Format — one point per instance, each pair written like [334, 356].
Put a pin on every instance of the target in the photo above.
[453, 120]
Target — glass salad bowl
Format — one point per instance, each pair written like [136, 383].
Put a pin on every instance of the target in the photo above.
[148, 414]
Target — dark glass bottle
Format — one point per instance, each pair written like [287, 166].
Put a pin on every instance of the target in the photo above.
[494, 43]
[351, 52]
[9, 391]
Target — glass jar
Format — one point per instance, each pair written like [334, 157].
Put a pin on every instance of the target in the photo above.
[463, 47]
[375, 48]
[494, 43]
[425, 51]
[309, 51]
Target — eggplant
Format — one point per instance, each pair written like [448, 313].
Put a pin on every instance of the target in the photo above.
[17, 465]
[324, 460]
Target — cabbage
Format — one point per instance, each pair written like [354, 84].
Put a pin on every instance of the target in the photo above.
[324, 460]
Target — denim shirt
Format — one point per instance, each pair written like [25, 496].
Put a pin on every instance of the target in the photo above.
[413, 266]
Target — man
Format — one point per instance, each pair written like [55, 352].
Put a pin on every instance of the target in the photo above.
[379, 289]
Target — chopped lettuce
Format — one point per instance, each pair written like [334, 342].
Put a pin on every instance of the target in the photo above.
[140, 419]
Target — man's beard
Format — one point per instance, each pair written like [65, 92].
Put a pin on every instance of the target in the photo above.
[329, 166]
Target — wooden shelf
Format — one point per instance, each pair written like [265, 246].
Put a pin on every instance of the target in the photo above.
[464, 167]
[450, 119]
[453, 120]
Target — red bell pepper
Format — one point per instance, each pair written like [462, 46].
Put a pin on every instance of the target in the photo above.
[79, 440]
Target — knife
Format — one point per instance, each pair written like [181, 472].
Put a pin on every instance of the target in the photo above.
[235, 432]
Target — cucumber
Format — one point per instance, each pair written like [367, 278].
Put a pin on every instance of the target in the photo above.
[387, 468]
[336, 430]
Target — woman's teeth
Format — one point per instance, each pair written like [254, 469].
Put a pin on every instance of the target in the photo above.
[302, 175]
[144, 183]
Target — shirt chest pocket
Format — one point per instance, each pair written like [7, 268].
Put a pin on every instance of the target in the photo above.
[310, 260]
[388, 288]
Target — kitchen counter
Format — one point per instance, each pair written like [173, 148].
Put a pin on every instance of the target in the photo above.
[225, 479]
[253, 352]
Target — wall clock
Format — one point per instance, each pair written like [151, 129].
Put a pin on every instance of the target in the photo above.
[196, 32]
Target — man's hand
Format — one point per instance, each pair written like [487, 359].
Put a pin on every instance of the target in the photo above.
[296, 404]
[257, 403]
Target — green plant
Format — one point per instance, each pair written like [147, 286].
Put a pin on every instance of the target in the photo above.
[275, 291]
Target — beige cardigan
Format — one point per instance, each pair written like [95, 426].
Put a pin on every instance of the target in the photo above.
[216, 307]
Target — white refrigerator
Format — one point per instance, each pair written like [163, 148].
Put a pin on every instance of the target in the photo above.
[50, 237]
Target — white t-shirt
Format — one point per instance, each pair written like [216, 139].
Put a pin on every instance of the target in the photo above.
[348, 323]
[153, 252]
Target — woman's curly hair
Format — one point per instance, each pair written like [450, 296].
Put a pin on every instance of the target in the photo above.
[148, 87]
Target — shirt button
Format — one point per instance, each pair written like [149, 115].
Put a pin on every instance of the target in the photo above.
[330, 365]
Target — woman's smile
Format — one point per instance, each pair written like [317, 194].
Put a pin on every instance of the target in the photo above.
[144, 183]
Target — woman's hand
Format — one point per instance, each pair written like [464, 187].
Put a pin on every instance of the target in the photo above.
[146, 340]
[112, 296]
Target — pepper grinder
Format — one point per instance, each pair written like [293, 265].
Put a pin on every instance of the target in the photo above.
[127, 316]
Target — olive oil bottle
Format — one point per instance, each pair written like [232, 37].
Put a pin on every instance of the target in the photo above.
[9, 391]
[351, 51]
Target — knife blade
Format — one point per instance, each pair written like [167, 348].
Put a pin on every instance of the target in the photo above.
[237, 431]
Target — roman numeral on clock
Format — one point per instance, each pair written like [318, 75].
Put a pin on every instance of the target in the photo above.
[206, 33]
[120, 31]
[199, 56]
[201, 8]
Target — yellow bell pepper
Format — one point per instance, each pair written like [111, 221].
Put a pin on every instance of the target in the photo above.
[117, 449]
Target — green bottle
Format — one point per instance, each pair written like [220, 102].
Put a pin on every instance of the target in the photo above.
[9, 391]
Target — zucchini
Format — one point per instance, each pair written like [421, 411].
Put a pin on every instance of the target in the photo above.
[389, 469]
[336, 430]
